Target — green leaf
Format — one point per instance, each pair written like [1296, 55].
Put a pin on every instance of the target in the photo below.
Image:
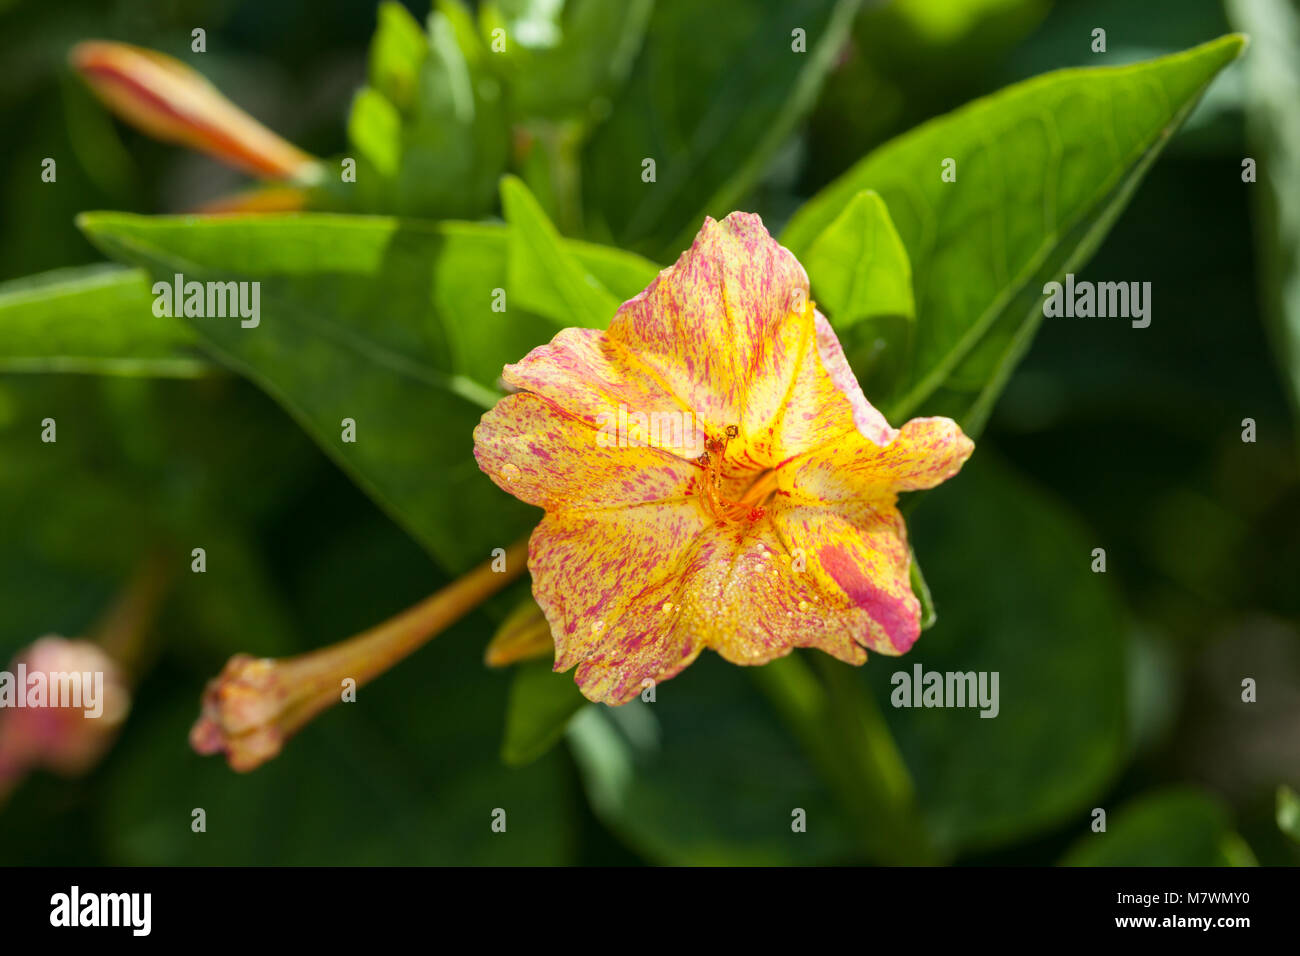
[1052, 631]
[375, 129]
[397, 52]
[1288, 812]
[439, 150]
[1175, 827]
[1272, 70]
[544, 276]
[715, 92]
[1043, 169]
[541, 705]
[566, 58]
[862, 280]
[351, 328]
[93, 319]
[625, 274]
[388, 322]
[858, 265]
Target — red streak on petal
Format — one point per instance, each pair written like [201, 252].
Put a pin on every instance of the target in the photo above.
[889, 612]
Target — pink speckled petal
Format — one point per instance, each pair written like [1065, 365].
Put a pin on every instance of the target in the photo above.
[548, 458]
[610, 584]
[724, 316]
[749, 600]
[595, 378]
[924, 453]
[726, 336]
[857, 552]
[869, 421]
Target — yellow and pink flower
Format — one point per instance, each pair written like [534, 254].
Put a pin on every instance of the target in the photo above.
[783, 533]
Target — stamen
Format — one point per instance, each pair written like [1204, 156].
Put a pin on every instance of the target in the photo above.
[719, 507]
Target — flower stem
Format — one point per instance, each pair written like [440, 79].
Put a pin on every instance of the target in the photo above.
[124, 628]
[842, 730]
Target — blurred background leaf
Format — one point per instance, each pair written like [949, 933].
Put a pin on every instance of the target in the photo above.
[1272, 70]
[565, 58]
[1053, 631]
[715, 92]
[1178, 827]
[89, 319]
[431, 128]
[1139, 431]
[540, 708]
[707, 775]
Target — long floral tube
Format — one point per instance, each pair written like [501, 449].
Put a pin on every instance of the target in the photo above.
[255, 704]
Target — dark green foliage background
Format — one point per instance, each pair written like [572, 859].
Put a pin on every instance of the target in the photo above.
[1120, 692]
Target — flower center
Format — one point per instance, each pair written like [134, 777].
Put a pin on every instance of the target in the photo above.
[750, 505]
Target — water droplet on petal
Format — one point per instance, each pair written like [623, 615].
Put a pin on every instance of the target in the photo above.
[510, 471]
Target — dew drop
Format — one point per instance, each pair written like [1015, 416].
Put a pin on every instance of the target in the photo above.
[510, 471]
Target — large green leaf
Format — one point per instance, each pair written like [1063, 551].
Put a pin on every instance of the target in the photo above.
[546, 277]
[92, 319]
[1042, 171]
[1175, 827]
[716, 91]
[386, 322]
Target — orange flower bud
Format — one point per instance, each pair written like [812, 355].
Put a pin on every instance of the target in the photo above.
[171, 102]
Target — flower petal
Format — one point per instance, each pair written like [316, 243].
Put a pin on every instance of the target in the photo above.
[610, 585]
[595, 378]
[635, 573]
[869, 421]
[924, 453]
[857, 551]
[546, 457]
[749, 600]
[727, 336]
[725, 318]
